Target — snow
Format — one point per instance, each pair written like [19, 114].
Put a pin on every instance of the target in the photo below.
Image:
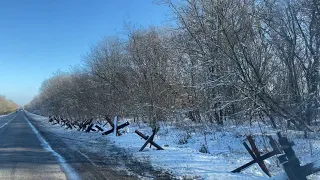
[4, 115]
[185, 160]
[181, 156]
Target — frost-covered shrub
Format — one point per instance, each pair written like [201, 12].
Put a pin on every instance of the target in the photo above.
[184, 139]
[204, 149]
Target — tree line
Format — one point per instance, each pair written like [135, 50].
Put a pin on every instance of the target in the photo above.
[226, 61]
[7, 106]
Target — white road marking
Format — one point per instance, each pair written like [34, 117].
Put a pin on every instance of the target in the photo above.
[71, 174]
[7, 122]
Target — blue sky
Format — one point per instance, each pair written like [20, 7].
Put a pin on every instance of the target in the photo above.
[38, 37]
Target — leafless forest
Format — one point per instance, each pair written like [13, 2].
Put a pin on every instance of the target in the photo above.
[224, 62]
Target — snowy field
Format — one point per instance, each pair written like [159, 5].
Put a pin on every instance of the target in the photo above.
[182, 156]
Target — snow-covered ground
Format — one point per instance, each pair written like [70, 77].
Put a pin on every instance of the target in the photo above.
[182, 156]
[4, 115]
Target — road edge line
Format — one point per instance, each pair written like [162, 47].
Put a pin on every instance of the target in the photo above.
[70, 172]
[8, 122]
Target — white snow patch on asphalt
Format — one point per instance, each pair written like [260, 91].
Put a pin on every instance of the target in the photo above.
[71, 174]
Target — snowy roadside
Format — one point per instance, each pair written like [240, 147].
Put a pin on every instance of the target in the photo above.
[4, 115]
[181, 156]
[93, 156]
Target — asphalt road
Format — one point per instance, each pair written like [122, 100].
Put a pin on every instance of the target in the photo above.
[22, 155]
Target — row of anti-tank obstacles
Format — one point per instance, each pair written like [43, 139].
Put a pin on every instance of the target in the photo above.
[281, 148]
[286, 156]
[89, 125]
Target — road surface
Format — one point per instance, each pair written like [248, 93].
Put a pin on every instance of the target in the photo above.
[22, 155]
[30, 151]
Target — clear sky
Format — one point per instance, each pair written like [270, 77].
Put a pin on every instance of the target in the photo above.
[38, 37]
